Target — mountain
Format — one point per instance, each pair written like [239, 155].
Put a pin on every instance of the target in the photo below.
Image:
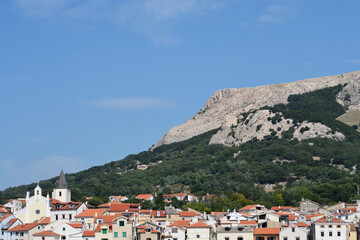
[225, 106]
[289, 142]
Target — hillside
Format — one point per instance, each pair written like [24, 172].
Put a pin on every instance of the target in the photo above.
[302, 151]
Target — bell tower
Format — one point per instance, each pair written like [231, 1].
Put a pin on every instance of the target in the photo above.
[62, 193]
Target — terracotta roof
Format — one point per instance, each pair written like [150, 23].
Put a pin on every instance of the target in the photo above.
[88, 233]
[267, 231]
[215, 213]
[65, 206]
[44, 220]
[329, 219]
[247, 223]
[46, 233]
[183, 223]
[123, 207]
[98, 228]
[248, 207]
[23, 227]
[154, 231]
[118, 197]
[5, 217]
[90, 213]
[144, 196]
[199, 225]
[162, 213]
[280, 208]
[188, 214]
[302, 224]
[76, 225]
[145, 210]
[107, 218]
[309, 217]
[293, 217]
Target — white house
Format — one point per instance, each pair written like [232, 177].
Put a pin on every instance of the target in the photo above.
[175, 232]
[66, 212]
[328, 228]
[293, 232]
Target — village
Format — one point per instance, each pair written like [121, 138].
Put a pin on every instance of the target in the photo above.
[58, 218]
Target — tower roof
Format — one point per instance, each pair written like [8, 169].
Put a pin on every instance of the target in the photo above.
[62, 184]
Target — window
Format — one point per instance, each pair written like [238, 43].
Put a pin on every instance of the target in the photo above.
[297, 238]
[148, 230]
[148, 239]
[104, 231]
[339, 234]
[174, 230]
[330, 226]
[2, 233]
[322, 234]
[63, 229]
[285, 238]
[70, 216]
[322, 226]
[293, 229]
[21, 234]
[338, 226]
[121, 223]
[37, 211]
[63, 237]
[59, 193]
[240, 238]
[197, 235]
[38, 227]
[226, 238]
[43, 238]
[124, 234]
[116, 234]
[56, 217]
[330, 234]
[63, 216]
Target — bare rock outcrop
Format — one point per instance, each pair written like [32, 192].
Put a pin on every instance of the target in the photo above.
[263, 123]
[226, 104]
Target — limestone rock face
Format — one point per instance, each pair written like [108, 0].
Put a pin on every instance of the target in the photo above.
[262, 124]
[224, 106]
[350, 95]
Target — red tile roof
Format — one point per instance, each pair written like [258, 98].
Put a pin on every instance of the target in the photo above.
[267, 231]
[76, 225]
[329, 219]
[98, 228]
[5, 217]
[248, 207]
[46, 233]
[124, 207]
[91, 213]
[65, 206]
[88, 233]
[199, 225]
[44, 221]
[188, 214]
[302, 224]
[144, 196]
[280, 208]
[161, 213]
[23, 227]
[183, 223]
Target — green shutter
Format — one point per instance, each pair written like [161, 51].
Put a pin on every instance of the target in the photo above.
[104, 231]
[116, 234]
[121, 223]
[124, 234]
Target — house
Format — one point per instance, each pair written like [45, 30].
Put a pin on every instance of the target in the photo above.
[118, 198]
[144, 215]
[149, 231]
[200, 231]
[46, 235]
[329, 227]
[65, 230]
[293, 232]
[14, 205]
[266, 233]
[66, 212]
[6, 222]
[24, 231]
[235, 232]
[120, 227]
[116, 207]
[188, 215]
[174, 232]
[281, 209]
[159, 217]
[88, 235]
[172, 214]
[87, 217]
[309, 207]
[145, 197]
[253, 208]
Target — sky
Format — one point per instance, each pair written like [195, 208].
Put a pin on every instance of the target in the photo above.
[86, 82]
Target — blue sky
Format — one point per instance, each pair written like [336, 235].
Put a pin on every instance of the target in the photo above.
[85, 82]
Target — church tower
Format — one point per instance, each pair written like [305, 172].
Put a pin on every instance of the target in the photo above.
[62, 192]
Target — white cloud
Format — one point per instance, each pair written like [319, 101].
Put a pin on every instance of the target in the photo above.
[355, 61]
[275, 14]
[131, 103]
[153, 19]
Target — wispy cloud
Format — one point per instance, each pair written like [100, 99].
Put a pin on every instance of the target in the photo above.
[275, 14]
[131, 103]
[151, 18]
[355, 61]
[44, 168]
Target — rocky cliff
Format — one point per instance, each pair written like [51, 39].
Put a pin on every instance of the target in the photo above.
[226, 106]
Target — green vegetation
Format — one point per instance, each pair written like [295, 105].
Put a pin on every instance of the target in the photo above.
[236, 175]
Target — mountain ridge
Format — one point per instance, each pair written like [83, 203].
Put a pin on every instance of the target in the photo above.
[234, 101]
